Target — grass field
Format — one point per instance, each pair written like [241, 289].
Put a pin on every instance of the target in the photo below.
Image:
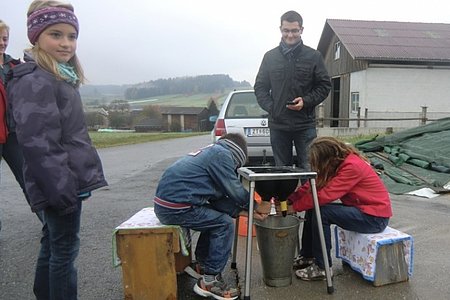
[112, 139]
[197, 100]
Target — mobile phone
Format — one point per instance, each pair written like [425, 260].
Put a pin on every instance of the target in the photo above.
[291, 103]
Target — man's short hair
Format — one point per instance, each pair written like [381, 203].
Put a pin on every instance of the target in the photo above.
[292, 16]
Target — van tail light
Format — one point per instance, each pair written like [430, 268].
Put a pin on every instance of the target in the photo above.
[220, 129]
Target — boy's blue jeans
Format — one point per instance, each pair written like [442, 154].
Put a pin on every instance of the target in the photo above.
[216, 233]
[56, 275]
[346, 217]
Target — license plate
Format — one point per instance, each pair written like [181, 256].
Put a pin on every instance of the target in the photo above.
[257, 131]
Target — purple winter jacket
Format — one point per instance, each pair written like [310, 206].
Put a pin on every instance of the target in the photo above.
[59, 160]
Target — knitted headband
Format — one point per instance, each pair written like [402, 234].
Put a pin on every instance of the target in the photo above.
[40, 19]
[238, 154]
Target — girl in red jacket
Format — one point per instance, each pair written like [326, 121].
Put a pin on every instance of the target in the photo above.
[342, 174]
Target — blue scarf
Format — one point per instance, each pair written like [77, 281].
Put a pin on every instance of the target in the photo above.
[289, 51]
[68, 73]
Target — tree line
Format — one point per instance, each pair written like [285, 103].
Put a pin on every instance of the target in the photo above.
[183, 85]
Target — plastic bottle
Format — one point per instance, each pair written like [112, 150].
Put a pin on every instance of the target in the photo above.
[283, 208]
[273, 210]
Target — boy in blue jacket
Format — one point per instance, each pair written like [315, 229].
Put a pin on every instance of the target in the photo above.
[202, 191]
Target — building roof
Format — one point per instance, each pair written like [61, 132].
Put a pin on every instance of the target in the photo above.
[175, 110]
[388, 40]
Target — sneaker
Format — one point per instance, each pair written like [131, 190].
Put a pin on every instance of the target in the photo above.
[198, 267]
[301, 262]
[217, 289]
[312, 273]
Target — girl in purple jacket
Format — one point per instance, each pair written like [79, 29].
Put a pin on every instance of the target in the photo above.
[61, 167]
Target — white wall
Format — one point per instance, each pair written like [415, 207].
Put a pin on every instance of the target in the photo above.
[407, 89]
[398, 92]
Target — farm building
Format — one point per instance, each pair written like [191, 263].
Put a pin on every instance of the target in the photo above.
[185, 118]
[385, 70]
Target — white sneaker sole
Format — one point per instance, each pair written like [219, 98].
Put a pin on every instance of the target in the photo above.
[201, 292]
[300, 275]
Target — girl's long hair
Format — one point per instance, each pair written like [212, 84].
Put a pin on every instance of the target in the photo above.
[326, 154]
[42, 58]
[4, 26]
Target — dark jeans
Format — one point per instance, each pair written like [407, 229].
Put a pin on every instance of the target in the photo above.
[346, 217]
[56, 275]
[216, 233]
[282, 142]
[11, 152]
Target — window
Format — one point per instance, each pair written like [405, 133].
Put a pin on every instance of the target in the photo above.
[354, 101]
[244, 106]
[337, 50]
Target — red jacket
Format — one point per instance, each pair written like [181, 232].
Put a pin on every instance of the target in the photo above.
[355, 184]
[8, 63]
[3, 127]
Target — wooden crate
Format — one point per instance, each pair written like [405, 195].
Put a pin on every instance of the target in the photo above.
[150, 261]
[391, 265]
[383, 258]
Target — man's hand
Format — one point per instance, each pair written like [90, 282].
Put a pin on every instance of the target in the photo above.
[298, 104]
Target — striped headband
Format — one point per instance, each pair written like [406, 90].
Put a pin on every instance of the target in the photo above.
[40, 19]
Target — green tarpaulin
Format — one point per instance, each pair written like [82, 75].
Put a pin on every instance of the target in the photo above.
[414, 158]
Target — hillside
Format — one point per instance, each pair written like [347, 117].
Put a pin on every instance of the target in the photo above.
[182, 91]
[195, 100]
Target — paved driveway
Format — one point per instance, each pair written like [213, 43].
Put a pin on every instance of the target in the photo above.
[133, 173]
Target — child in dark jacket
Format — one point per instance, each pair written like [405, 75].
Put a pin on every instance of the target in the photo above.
[61, 167]
[10, 150]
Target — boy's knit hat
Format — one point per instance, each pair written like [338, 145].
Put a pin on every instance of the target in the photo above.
[239, 156]
[42, 18]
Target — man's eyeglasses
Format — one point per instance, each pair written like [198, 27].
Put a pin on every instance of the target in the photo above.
[293, 31]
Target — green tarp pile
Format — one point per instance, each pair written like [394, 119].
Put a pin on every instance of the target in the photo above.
[414, 158]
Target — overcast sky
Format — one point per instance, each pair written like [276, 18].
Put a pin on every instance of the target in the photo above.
[132, 41]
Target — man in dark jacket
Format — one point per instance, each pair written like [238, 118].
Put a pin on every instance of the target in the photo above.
[292, 80]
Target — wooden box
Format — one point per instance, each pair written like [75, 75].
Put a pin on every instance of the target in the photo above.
[391, 265]
[150, 259]
[383, 258]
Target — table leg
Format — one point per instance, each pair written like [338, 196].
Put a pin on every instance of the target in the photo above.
[248, 256]
[236, 230]
[330, 288]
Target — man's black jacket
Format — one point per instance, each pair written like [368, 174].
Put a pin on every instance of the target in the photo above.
[280, 80]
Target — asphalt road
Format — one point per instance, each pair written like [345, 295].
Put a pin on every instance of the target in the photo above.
[133, 172]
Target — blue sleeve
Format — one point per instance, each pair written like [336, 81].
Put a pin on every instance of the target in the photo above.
[225, 177]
